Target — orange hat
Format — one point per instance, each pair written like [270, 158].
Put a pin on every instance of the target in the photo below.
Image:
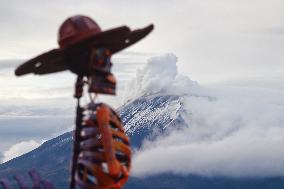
[78, 33]
[76, 29]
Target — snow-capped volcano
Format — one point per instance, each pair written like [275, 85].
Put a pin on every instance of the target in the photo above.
[185, 135]
[154, 97]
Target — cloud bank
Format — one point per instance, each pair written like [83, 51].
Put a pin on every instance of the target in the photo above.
[231, 131]
[20, 149]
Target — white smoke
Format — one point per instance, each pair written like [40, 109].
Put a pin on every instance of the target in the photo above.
[160, 74]
[232, 131]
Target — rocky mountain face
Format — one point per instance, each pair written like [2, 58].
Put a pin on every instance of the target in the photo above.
[150, 116]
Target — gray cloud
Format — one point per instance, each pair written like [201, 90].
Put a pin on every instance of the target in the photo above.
[20, 149]
[5, 64]
[237, 132]
[24, 119]
[214, 40]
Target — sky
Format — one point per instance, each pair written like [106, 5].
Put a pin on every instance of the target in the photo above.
[213, 39]
[236, 43]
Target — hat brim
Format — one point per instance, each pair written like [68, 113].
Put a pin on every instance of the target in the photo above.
[114, 40]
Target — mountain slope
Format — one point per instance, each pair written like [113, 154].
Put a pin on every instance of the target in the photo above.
[163, 112]
[51, 159]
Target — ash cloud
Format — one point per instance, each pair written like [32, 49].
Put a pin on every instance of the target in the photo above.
[231, 131]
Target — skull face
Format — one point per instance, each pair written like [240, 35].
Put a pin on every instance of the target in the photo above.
[100, 79]
[100, 60]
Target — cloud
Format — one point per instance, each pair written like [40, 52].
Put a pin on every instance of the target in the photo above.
[20, 149]
[214, 39]
[159, 72]
[34, 109]
[233, 131]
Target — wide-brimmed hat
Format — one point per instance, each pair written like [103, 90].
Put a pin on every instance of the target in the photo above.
[76, 34]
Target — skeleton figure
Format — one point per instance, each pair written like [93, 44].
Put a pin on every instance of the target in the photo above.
[101, 150]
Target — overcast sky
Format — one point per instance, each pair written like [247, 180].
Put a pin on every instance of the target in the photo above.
[213, 39]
